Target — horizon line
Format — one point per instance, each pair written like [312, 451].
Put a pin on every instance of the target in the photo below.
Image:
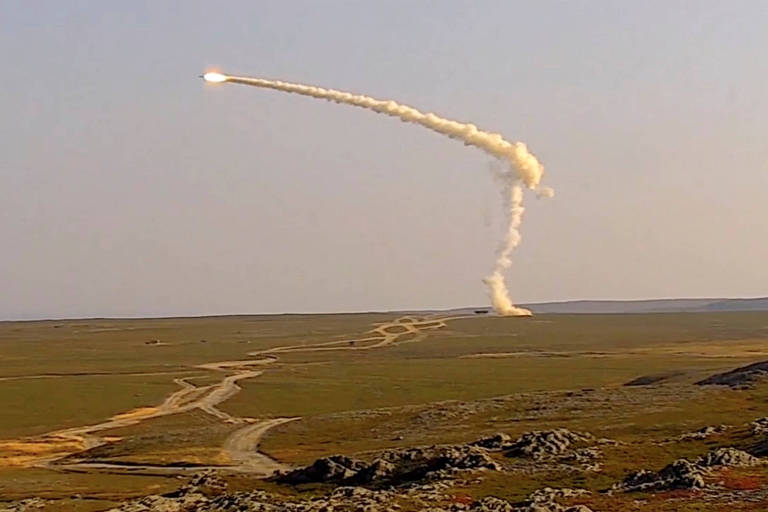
[368, 312]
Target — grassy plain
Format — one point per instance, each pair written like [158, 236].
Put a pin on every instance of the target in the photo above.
[474, 376]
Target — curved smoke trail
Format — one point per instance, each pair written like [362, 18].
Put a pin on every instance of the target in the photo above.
[523, 167]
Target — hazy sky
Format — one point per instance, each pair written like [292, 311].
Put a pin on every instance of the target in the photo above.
[128, 187]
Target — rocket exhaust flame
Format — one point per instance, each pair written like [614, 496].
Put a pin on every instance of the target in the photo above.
[214, 77]
[522, 166]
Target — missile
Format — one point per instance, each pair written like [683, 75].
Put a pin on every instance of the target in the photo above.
[214, 77]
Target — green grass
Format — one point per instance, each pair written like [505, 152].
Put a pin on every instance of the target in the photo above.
[368, 384]
[193, 437]
[78, 372]
[76, 346]
[16, 483]
[37, 406]
[603, 332]
[414, 393]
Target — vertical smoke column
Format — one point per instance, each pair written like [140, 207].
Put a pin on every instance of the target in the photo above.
[525, 169]
[513, 202]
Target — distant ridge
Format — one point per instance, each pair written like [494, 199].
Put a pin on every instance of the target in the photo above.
[638, 306]
[586, 307]
[651, 306]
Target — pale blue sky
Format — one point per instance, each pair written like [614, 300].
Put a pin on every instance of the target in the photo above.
[127, 187]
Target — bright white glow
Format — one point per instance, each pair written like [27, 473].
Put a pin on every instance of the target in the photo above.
[214, 77]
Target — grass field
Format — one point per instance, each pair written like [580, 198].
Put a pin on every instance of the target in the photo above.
[353, 389]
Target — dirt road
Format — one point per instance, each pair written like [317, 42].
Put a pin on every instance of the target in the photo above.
[50, 450]
[242, 447]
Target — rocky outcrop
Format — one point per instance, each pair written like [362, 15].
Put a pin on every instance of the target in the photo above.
[542, 444]
[393, 467]
[335, 469]
[207, 483]
[543, 500]
[740, 378]
[759, 426]
[548, 500]
[548, 494]
[684, 474]
[430, 497]
[552, 507]
[343, 499]
[492, 504]
[581, 456]
[495, 442]
[681, 474]
[27, 505]
[153, 503]
[727, 457]
[702, 433]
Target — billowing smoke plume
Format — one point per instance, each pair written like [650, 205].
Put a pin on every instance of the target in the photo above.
[524, 168]
[513, 203]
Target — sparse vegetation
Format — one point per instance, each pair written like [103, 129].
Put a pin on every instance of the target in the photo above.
[438, 385]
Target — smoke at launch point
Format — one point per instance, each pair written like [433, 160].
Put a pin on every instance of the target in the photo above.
[521, 167]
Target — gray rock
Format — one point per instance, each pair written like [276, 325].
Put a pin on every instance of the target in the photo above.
[548, 494]
[702, 433]
[681, 474]
[540, 444]
[27, 505]
[377, 471]
[154, 503]
[492, 504]
[341, 499]
[760, 426]
[334, 469]
[551, 507]
[495, 442]
[207, 483]
[727, 457]
[546, 500]
[393, 467]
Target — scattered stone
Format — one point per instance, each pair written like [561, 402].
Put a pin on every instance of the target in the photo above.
[494, 443]
[378, 471]
[542, 500]
[334, 469]
[492, 504]
[27, 505]
[207, 483]
[394, 466]
[727, 457]
[546, 500]
[684, 474]
[681, 474]
[540, 444]
[548, 494]
[155, 503]
[760, 426]
[341, 499]
[581, 456]
[702, 433]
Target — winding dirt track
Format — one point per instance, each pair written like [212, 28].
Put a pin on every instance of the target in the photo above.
[60, 449]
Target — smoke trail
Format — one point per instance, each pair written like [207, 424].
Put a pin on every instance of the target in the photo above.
[524, 167]
[513, 201]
